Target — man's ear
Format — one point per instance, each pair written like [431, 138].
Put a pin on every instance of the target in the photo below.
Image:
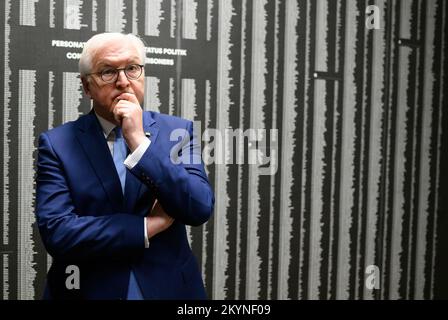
[85, 86]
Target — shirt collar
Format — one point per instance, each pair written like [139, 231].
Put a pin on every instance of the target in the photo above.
[106, 125]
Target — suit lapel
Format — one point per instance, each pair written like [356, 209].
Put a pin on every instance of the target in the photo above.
[150, 126]
[91, 138]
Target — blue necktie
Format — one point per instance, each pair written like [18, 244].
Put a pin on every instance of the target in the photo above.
[120, 156]
[120, 152]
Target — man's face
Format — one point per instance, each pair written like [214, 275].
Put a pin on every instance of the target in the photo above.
[115, 54]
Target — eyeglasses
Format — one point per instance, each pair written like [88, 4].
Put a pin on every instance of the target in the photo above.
[109, 75]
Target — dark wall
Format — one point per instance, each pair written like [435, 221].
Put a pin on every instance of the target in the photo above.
[347, 124]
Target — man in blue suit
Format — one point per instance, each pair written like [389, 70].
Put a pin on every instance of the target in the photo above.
[115, 189]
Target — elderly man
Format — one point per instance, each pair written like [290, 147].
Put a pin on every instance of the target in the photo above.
[113, 190]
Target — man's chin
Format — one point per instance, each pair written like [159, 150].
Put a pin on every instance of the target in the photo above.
[105, 112]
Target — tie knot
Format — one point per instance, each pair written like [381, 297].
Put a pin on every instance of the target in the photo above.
[117, 131]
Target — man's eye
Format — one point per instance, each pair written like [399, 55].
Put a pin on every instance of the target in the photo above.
[108, 72]
[132, 68]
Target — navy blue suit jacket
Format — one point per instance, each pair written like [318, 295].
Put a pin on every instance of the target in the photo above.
[84, 219]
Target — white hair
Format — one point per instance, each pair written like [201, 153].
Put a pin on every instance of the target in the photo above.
[95, 42]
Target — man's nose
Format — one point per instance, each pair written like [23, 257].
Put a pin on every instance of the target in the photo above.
[122, 79]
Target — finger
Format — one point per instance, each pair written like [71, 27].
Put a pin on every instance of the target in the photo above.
[122, 103]
[122, 110]
[117, 115]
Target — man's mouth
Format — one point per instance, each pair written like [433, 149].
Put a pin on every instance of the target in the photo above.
[117, 95]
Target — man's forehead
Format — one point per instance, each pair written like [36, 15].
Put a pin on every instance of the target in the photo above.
[110, 60]
[109, 54]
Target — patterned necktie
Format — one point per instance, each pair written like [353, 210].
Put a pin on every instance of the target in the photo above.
[120, 156]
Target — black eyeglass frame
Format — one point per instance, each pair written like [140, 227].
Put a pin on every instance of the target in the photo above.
[117, 71]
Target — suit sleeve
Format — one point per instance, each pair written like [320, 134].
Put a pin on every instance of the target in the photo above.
[69, 234]
[178, 180]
